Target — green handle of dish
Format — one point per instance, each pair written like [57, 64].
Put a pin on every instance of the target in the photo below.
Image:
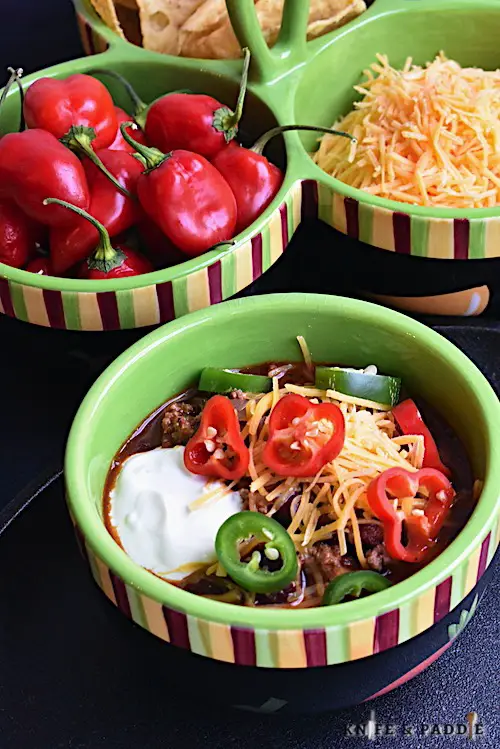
[84, 9]
[290, 49]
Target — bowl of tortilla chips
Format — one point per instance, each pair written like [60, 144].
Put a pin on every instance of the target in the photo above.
[202, 28]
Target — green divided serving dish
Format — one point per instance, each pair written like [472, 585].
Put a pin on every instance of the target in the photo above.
[295, 82]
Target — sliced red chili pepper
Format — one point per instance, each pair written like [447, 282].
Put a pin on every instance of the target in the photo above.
[217, 449]
[303, 436]
[410, 422]
[421, 530]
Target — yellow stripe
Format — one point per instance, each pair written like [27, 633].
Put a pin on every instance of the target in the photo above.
[492, 238]
[339, 218]
[243, 264]
[383, 230]
[361, 636]
[297, 204]
[218, 640]
[90, 315]
[146, 308]
[106, 585]
[290, 649]
[153, 613]
[198, 290]
[441, 242]
[275, 238]
[35, 306]
[472, 569]
[422, 611]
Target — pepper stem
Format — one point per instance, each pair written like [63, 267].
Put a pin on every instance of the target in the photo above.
[138, 104]
[105, 257]
[150, 157]
[225, 120]
[140, 107]
[262, 142]
[79, 138]
[15, 77]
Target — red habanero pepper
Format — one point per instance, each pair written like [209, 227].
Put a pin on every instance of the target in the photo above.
[410, 421]
[217, 449]
[421, 530]
[33, 164]
[254, 180]
[303, 436]
[119, 144]
[77, 101]
[41, 266]
[108, 261]
[160, 250]
[75, 241]
[186, 197]
[19, 235]
[79, 111]
[183, 120]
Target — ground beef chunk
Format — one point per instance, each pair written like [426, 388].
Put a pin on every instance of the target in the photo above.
[331, 562]
[254, 501]
[180, 422]
[371, 535]
[378, 558]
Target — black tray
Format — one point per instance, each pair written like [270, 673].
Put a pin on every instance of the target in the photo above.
[76, 673]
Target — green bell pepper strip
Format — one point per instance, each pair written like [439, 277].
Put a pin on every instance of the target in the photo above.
[352, 583]
[213, 380]
[373, 387]
[250, 575]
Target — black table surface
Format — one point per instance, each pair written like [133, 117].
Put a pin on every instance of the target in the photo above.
[43, 376]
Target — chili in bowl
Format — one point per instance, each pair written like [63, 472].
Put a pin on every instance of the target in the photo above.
[217, 524]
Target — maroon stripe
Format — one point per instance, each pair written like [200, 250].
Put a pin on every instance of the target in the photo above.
[5, 297]
[401, 226]
[54, 307]
[215, 282]
[244, 646]
[121, 595]
[108, 307]
[351, 217]
[461, 231]
[309, 205]
[443, 599]
[257, 255]
[177, 628]
[165, 294]
[483, 557]
[315, 642]
[284, 224]
[386, 631]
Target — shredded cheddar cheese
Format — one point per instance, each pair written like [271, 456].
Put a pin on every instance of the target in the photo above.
[337, 494]
[424, 135]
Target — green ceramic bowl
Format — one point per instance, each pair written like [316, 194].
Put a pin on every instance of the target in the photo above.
[231, 335]
[315, 80]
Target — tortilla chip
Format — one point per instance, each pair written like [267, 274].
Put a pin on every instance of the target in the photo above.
[327, 15]
[105, 9]
[160, 22]
[208, 33]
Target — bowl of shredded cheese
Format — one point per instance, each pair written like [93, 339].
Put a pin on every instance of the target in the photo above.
[265, 651]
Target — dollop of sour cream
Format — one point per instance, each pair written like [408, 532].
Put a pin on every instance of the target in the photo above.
[150, 512]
